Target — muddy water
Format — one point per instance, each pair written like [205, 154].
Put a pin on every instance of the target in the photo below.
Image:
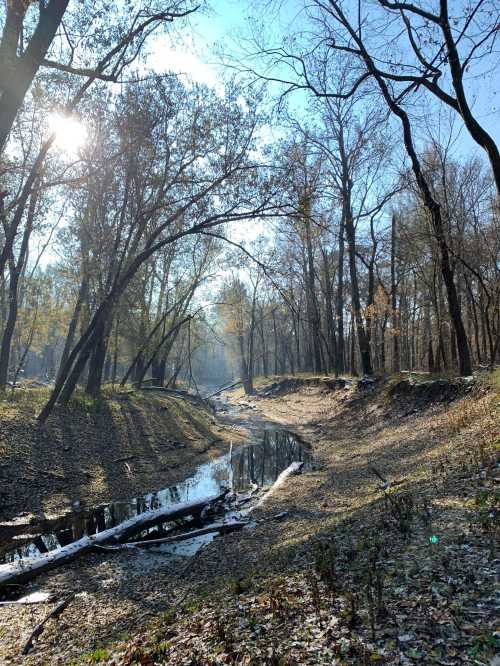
[261, 462]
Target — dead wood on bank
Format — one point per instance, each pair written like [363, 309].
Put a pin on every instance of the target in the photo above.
[24, 570]
[292, 470]
[55, 612]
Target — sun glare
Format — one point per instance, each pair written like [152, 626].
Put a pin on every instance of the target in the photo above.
[70, 132]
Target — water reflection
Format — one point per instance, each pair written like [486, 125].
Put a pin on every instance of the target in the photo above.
[260, 463]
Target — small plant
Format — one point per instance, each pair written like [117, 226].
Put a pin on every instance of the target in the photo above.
[375, 588]
[160, 651]
[325, 559]
[169, 616]
[239, 586]
[350, 613]
[486, 515]
[485, 645]
[97, 656]
[401, 508]
[316, 595]
[279, 602]
[275, 659]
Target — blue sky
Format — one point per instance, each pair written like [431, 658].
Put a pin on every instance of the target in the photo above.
[225, 20]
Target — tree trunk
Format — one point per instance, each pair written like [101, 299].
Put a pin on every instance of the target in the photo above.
[246, 379]
[96, 363]
[331, 344]
[15, 271]
[312, 306]
[18, 72]
[396, 359]
[82, 297]
[339, 309]
[363, 342]
[432, 206]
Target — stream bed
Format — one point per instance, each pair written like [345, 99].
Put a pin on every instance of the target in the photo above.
[258, 463]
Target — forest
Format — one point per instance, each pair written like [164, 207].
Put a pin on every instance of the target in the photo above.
[223, 218]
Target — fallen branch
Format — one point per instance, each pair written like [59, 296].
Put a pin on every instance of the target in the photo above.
[179, 393]
[223, 528]
[26, 569]
[112, 549]
[243, 498]
[292, 470]
[223, 388]
[55, 612]
[386, 484]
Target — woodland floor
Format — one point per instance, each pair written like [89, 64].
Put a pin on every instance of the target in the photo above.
[351, 575]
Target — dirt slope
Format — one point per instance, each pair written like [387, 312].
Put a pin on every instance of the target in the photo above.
[97, 451]
[352, 574]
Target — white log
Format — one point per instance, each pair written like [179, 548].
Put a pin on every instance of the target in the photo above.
[26, 569]
[291, 470]
[223, 388]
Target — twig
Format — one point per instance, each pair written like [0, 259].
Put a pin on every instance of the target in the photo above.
[55, 612]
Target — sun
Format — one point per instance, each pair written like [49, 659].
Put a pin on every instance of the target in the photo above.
[70, 132]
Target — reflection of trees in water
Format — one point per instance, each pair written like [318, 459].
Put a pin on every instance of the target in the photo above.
[263, 463]
[175, 495]
[221, 474]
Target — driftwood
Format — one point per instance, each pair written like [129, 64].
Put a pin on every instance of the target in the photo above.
[112, 549]
[223, 388]
[243, 498]
[124, 459]
[24, 570]
[223, 528]
[179, 393]
[291, 470]
[55, 612]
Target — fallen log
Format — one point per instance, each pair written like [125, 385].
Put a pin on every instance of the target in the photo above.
[124, 459]
[26, 569]
[223, 528]
[291, 470]
[223, 388]
[180, 393]
[239, 499]
[386, 483]
[55, 612]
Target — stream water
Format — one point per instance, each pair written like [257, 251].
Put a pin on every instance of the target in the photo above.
[261, 462]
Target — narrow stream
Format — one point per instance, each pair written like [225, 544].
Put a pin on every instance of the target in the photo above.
[258, 463]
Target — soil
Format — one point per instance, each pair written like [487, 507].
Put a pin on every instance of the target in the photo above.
[340, 568]
[94, 452]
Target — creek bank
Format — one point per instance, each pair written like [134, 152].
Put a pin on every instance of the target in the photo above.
[96, 451]
[415, 391]
[89, 578]
[253, 466]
